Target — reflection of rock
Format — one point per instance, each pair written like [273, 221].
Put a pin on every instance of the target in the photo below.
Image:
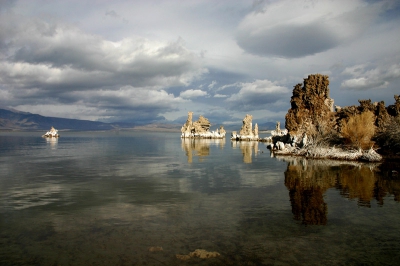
[246, 132]
[247, 149]
[307, 181]
[200, 128]
[306, 187]
[52, 141]
[308, 205]
[52, 133]
[200, 146]
[359, 184]
[199, 253]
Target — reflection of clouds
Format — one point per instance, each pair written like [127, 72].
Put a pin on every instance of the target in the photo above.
[247, 148]
[24, 197]
[200, 147]
[115, 214]
[259, 178]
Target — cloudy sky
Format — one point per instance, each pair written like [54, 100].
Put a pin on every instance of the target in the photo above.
[153, 61]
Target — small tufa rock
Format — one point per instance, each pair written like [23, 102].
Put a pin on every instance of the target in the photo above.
[52, 133]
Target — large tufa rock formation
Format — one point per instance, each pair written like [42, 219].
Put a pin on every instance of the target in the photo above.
[394, 110]
[383, 114]
[247, 132]
[200, 128]
[247, 127]
[311, 119]
[379, 110]
[311, 106]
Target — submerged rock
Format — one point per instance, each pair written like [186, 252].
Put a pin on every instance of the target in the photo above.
[199, 253]
[155, 249]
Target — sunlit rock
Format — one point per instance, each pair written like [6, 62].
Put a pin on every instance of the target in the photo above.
[311, 106]
[200, 129]
[278, 131]
[52, 133]
[280, 145]
[246, 132]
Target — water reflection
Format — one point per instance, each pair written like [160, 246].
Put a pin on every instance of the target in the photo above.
[247, 148]
[199, 147]
[52, 142]
[308, 180]
[102, 199]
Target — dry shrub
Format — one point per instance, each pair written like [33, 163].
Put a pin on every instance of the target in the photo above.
[359, 130]
[322, 134]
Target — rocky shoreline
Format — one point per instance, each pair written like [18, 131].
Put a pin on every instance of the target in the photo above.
[315, 128]
[332, 153]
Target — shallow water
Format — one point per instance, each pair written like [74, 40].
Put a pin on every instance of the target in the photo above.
[139, 198]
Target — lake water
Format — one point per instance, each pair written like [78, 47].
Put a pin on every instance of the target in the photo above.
[139, 198]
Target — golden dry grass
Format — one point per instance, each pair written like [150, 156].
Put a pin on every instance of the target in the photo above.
[359, 130]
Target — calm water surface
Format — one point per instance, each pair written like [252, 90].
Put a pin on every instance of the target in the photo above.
[139, 198]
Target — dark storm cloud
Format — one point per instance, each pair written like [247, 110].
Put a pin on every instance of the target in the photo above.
[295, 29]
[289, 41]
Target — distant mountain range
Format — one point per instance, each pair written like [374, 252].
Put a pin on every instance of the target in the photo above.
[16, 120]
[11, 119]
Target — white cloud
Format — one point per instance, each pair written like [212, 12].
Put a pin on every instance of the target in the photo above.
[220, 96]
[188, 94]
[59, 47]
[234, 85]
[212, 84]
[257, 94]
[374, 78]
